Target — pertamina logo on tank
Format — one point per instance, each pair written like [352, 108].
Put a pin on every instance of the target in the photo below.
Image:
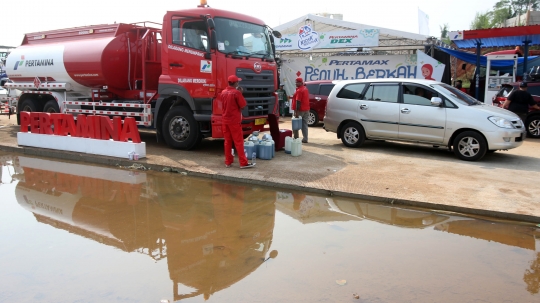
[33, 63]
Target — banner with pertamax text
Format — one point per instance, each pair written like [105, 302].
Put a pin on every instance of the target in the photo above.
[307, 39]
[346, 68]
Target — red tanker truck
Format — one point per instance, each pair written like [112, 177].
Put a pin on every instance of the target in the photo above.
[168, 78]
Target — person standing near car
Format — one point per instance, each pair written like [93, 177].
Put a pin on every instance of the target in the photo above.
[282, 98]
[459, 85]
[301, 107]
[519, 101]
[233, 103]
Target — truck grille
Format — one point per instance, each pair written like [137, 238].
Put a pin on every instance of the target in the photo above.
[258, 91]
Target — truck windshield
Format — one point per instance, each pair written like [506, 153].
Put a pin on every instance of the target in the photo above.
[458, 95]
[243, 38]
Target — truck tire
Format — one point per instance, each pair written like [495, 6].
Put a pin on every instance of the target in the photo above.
[180, 130]
[51, 107]
[29, 105]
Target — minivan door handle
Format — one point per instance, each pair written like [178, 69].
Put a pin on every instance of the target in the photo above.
[405, 110]
[363, 106]
[318, 98]
[175, 65]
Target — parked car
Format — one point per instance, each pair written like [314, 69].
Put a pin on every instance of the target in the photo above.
[318, 94]
[532, 123]
[420, 111]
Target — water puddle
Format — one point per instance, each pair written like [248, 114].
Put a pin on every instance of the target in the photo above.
[73, 232]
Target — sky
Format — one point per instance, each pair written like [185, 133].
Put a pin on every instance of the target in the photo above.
[33, 16]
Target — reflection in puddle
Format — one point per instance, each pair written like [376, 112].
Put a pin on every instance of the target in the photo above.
[220, 241]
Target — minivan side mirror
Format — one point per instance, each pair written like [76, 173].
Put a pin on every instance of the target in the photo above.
[436, 101]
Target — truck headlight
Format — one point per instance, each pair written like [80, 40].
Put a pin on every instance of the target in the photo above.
[501, 122]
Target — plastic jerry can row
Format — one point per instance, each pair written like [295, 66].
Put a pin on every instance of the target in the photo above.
[293, 146]
[263, 150]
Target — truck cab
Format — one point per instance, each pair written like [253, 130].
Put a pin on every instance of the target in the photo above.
[201, 47]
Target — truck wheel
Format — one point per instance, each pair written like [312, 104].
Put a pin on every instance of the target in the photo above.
[313, 118]
[28, 105]
[470, 146]
[180, 129]
[352, 134]
[51, 107]
[533, 126]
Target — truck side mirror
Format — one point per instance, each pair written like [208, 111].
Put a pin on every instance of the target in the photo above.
[213, 39]
[277, 34]
[211, 24]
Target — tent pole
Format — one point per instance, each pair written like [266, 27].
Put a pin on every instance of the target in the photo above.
[477, 74]
[525, 58]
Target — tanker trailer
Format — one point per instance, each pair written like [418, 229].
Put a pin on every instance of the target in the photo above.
[169, 79]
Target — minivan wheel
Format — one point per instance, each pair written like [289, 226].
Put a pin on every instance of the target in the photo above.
[533, 126]
[313, 118]
[470, 146]
[352, 134]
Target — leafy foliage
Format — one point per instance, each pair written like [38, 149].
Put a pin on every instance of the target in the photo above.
[503, 10]
[481, 21]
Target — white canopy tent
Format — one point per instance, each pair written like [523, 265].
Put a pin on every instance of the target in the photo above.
[390, 41]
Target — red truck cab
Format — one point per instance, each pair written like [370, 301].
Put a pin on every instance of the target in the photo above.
[201, 47]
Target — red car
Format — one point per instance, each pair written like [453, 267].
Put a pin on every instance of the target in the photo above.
[532, 124]
[318, 94]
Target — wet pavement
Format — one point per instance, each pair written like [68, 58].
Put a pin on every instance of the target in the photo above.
[502, 185]
[86, 233]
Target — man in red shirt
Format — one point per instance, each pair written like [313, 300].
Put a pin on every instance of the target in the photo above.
[233, 103]
[301, 108]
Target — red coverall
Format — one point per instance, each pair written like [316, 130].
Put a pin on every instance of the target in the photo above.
[233, 102]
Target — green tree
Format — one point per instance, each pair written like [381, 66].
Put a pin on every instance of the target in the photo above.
[444, 34]
[481, 20]
[521, 6]
[501, 12]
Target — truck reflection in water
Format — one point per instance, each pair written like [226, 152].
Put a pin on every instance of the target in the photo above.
[212, 234]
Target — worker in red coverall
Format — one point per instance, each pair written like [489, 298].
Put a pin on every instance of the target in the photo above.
[301, 107]
[233, 103]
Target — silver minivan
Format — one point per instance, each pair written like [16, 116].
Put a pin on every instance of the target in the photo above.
[420, 111]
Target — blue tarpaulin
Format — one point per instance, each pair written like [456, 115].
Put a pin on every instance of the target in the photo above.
[504, 66]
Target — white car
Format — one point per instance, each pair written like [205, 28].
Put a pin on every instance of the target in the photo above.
[420, 111]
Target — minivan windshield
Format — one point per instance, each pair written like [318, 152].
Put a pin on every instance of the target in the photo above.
[243, 38]
[458, 95]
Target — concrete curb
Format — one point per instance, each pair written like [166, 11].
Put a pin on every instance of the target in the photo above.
[103, 160]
